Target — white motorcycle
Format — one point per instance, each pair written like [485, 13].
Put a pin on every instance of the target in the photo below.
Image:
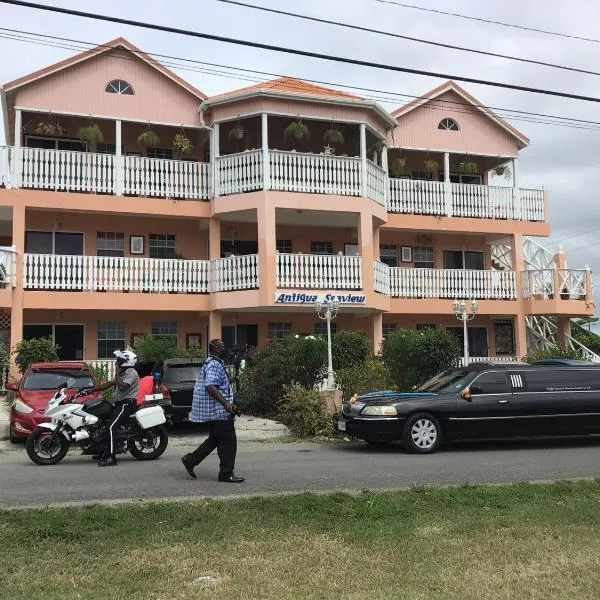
[86, 424]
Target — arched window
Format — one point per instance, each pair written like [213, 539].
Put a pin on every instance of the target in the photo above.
[448, 125]
[118, 86]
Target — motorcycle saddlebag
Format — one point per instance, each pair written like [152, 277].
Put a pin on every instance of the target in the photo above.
[150, 416]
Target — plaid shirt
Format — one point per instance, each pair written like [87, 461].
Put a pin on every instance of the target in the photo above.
[204, 406]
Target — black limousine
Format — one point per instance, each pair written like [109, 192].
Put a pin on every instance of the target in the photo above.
[478, 402]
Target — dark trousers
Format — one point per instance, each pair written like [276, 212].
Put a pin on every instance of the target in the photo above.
[120, 413]
[221, 435]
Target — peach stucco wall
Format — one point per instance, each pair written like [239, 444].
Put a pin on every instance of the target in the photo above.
[80, 89]
[478, 133]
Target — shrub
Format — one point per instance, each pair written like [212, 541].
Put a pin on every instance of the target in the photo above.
[415, 356]
[370, 376]
[305, 358]
[303, 411]
[349, 348]
[151, 349]
[253, 398]
[100, 373]
[35, 350]
[4, 364]
[558, 352]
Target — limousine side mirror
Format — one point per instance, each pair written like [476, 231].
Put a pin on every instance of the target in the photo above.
[466, 394]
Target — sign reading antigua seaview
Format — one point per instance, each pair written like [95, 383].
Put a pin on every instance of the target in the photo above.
[310, 298]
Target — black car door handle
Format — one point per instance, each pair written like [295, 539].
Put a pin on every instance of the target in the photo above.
[502, 401]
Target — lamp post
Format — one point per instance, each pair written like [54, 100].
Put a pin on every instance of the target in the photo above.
[462, 314]
[327, 311]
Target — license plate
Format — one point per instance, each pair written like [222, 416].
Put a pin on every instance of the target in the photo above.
[341, 425]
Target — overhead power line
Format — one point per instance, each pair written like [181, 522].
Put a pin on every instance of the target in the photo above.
[482, 20]
[407, 37]
[459, 107]
[306, 53]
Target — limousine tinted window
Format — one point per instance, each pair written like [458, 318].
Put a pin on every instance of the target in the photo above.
[562, 380]
[492, 383]
[447, 381]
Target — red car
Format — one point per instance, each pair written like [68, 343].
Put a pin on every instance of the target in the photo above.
[36, 387]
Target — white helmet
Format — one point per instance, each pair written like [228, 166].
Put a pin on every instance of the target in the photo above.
[127, 356]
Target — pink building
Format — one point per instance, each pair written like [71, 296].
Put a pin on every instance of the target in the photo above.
[278, 195]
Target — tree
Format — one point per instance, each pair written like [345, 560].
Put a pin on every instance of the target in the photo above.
[348, 349]
[35, 350]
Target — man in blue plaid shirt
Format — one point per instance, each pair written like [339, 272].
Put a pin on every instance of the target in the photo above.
[213, 404]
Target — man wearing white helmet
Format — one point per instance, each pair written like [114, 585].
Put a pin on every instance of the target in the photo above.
[126, 384]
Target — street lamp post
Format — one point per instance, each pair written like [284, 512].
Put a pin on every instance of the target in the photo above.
[460, 310]
[327, 311]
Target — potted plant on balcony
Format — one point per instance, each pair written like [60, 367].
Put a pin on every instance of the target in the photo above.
[468, 168]
[431, 166]
[379, 146]
[182, 145]
[298, 130]
[50, 128]
[503, 170]
[148, 139]
[92, 135]
[398, 168]
[238, 132]
[333, 135]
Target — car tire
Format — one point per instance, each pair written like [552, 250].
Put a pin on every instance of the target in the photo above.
[422, 434]
[13, 438]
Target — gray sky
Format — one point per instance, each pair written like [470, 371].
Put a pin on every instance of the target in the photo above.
[563, 160]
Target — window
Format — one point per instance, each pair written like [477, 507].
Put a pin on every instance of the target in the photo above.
[110, 243]
[464, 259]
[423, 257]
[389, 328]
[111, 337]
[284, 246]
[321, 247]
[165, 329]
[105, 148]
[118, 86]
[161, 245]
[492, 383]
[421, 326]
[388, 254]
[278, 330]
[426, 175]
[159, 153]
[320, 328]
[464, 178]
[448, 125]
[504, 336]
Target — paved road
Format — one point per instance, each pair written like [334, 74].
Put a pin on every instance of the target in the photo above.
[281, 467]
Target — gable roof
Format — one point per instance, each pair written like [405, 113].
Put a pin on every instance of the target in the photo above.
[452, 86]
[118, 43]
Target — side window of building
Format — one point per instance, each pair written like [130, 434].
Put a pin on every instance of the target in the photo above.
[493, 382]
[161, 245]
[388, 254]
[277, 330]
[318, 247]
[110, 243]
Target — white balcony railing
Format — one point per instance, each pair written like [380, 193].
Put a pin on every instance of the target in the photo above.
[8, 257]
[235, 273]
[484, 359]
[381, 277]
[452, 283]
[542, 283]
[376, 183]
[107, 273]
[238, 173]
[412, 196]
[106, 366]
[317, 271]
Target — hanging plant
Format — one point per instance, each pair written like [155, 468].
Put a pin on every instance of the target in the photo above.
[379, 146]
[149, 138]
[503, 170]
[237, 133]
[334, 136]
[92, 135]
[53, 129]
[182, 145]
[397, 168]
[431, 166]
[468, 168]
[298, 130]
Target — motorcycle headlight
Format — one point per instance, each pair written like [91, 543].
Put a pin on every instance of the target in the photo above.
[385, 410]
[21, 407]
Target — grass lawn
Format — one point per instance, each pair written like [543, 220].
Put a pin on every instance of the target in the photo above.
[514, 542]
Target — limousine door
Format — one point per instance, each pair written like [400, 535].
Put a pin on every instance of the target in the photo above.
[487, 414]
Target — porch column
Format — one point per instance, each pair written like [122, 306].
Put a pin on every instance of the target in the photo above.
[119, 182]
[377, 333]
[367, 250]
[214, 248]
[518, 212]
[214, 155]
[267, 235]
[563, 331]
[589, 296]
[384, 166]
[214, 326]
[520, 336]
[265, 152]
[363, 160]
[17, 163]
[447, 188]
[559, 263]
[516, 255]
[16, 313]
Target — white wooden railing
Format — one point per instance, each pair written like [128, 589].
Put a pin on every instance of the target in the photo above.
[381, 277]
[412, 196]
[314, 173]
[8, 264]
[166, 178]
[543, 282]
[106, 364]
[5, 165]
[376, 183]
[317, 271]
[107, 273]
[452, 283]
[484, 359]
[235, 273]
[238, 173]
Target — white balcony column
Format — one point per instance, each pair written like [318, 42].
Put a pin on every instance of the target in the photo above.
[363, 160]
[214, 155]
[17, 163]
[516, 197]
[447, 188]
[384, 166]
[265, 151]
[119, 165]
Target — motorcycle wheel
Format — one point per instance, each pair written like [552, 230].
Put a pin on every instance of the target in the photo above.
[150, 444]
[39, 449]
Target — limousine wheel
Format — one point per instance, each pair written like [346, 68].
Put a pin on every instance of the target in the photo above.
[422, 434]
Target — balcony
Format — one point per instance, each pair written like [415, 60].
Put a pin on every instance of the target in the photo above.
[323, 272]
[544, 284]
